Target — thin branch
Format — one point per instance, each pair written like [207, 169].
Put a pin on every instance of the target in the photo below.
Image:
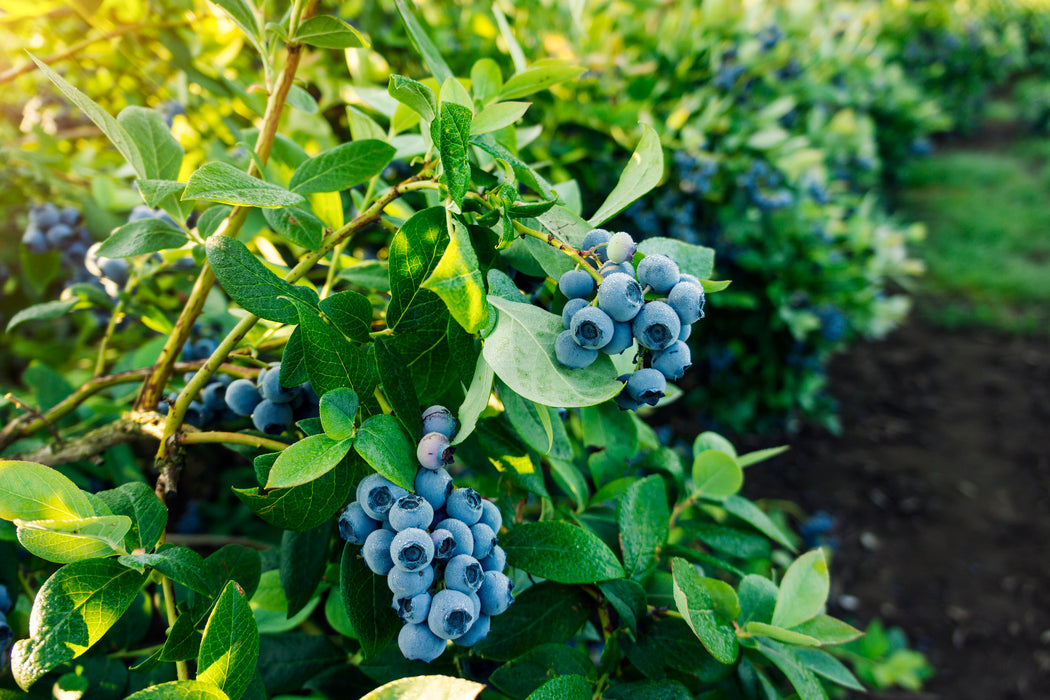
[213, 436]
[88, 445]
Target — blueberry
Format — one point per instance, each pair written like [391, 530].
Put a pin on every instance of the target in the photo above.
[74, 255]
[438, 419]
[411, 511]
[309, 394]
[59, 236]
[620, 296]
[272, 418]
[6, 636]
[497, 561]
[418, 643]
[686, 331]
[405, 584]
[377, 551]
[656, 326]
[114, 269]
[434, 485]
[659, 272]
[377, 495]
[621, 247]
[45, 215]
[464, 504]
[673, 361]
[69, 216]
[593, 239]
[203, 349]
[270, 387]
[464, 573]
[461, 532]
[444, 544]
[242, 397]
[570, 354]
[647, 386]
[611, 268]
[622, 338]
[195, 414]
[687, 300]
[491, 516]
[572, 306]
[495, 593]
[451, 614]
[478, 631]
[355, 525]
[434, 451]
[412, 549]
[484, 540]
[591, 328]
[413, 609]
[139, 212]
[576, 284]
[5, 600]
[214, 396]
[34, 240]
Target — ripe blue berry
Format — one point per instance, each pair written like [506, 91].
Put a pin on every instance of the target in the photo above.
[411, 511]
[5, 600]
[214, 396]
[355, 525]
[464, 573]
[576, 284]
[412, 549]
[478, 631]
[377, 495]
[271, 389]
[497, 561]
[461, 533]
[434, 485]
[673, 361]
[591, 328]
[405, 584]
[376, 551]
[413, 610]
[434, 451]
[451, 614]
[621, 247]
[656, 326]
[115, 269]
[464, 504]
[611, 268]
[687, 300]
[45, 215]
[444, 544]
[69, 216]
[621, 297]
[272, 418]
[59, 236]
[204, 347]
[491, 516]
[438, 419]
[622, 338]
[659, 272]
[34, 240]
[686, 331]
[7, 635]
[484, 540]
[418, 643]
[593, 239]
[647, 386]
[570, 309]
[242, 397]
[570, 354]
[495, 593]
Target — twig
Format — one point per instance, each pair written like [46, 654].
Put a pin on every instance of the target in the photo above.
[203, 438]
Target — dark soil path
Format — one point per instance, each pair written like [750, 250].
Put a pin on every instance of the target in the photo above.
[940, 484]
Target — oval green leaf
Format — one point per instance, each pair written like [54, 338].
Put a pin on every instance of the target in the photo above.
[427, 688]
[803, 591]
[65, 541]
[306, 460]
[30, 491]
[221, 182]
[384, 445]
[559, 551]
[716, 475]
[230, 646]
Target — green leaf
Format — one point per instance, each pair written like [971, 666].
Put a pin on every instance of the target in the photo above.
[565, 225]
[522, 171]
[758, 597]
[643, 172]
[574, 687]
[302, 507]
[296, 225]
[761, 455]
[30, 491]
[693, 602]
[234, 562]
[539, 77]
[385, 446]
[801, 678]
[47, 311]
[560, 552]
[306, 460]
[527, 419]
[512, 459]
[245, 16]
[332, 361]
[367, 602]
[520, 351]
[398, 388]
[230, 647]
[327, 32]
[116, 133]
[249, 283]
[304, 556]
[413, 94]
[713, 441]
[72, 610]
[370, 274]
[475, 401]
[457, 279]
[423, 45]
[828, 630]
[287, 660]
[181, 564]
[546, 612]
[338, 410]
[803, 591]
[161, 153]
[142, 236]
[452, 137]
[627, 597]
[753, 515]
[180, 690]
[716, 475]
[692, 259]
[212, 218]
[521, 676]
[350, 313]
[711, 286]
[486, 80]
[761, 629]
[342, 167]
[826, 665]
[644, 521]
[301, 100]
[148, 514]
[415, 251]
[498, 116]
[428, 687]
[221, 182]
[64, 541]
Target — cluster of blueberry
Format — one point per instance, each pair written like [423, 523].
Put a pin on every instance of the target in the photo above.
[62, 230]
[438, 537]
[764, 187]
[619, 315]
[6, 635]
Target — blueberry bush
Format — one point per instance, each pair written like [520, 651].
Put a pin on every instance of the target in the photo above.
[345, 351]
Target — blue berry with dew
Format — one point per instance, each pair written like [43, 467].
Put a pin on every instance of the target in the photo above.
[656, 326]
[491, 516]
[377, 495]
[242, 396]
[271, 389]
[478, 631]
[495, 593]
[596, 240]
[572, 306]
[412, 549]
[434, 451]
[673, 361]
[465, 505]
[570, 354]
[444, 544]
[620, 296]
[411, 511]
[460, 533]
[647, 386]
[418, 643]
[272, 418]
[451, 614]
[576, 284]
[355, 525]
[611, 268]
[659, 272]
[464, 573]
[622, 338]
[621, 248]
[484, 539]
[687, 299]
[438, 419]
[434, 485]
[591, 328]
[406, 584]
[413, 610]
[376, 551]
[497, 561]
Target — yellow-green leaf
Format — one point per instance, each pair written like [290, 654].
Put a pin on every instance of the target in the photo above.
[457, 279]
